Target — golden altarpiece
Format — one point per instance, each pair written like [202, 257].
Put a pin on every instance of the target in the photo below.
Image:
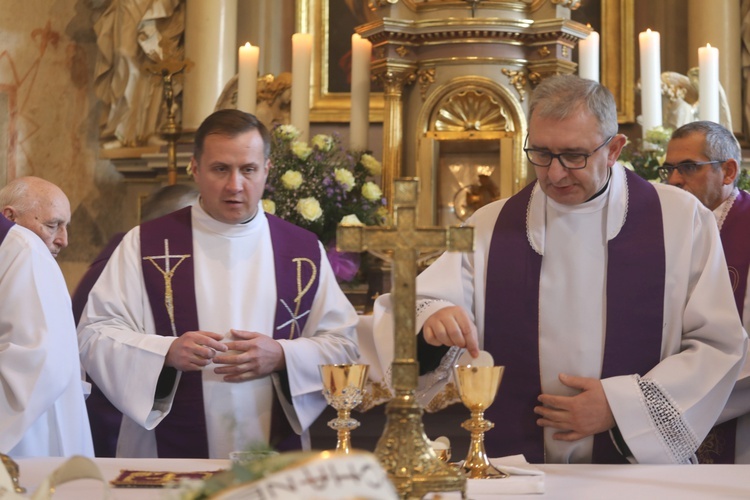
[456, 77]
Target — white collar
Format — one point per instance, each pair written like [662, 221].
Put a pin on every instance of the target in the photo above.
[203, 220]
[614, 198]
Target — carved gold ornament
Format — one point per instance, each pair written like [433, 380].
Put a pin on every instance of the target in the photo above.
[518, 80]
[425, 77]
[472, 110]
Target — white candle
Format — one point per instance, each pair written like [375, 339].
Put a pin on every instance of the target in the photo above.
[247, 81]
[708, 65]
[650, 80]
[301, 59]
[360, 114]
[588, 57]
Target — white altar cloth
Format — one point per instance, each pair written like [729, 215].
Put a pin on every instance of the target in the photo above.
[581, 482]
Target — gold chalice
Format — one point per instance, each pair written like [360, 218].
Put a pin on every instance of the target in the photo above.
[12, 467]
[343, 387]
[478, 386]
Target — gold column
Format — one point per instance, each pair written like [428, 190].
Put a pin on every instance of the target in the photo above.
[718, 23]
[395, 76]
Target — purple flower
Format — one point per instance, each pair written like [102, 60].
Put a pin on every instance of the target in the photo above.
[344, 264]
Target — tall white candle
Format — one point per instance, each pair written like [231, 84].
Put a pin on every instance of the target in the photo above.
[360, 114]
[210, 43]
[708, 65]
[588, 57]
[301, 59]
[247, 81]
[649, 43]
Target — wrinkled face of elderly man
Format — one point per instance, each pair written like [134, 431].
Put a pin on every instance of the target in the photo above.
[45, 210]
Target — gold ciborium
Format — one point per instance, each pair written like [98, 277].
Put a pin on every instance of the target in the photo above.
[478, 386]
[343, 386]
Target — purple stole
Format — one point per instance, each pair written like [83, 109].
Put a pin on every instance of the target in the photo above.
[182, 433]
[735, 238]
[104, 418]
[719, 446]
[5, 226]
[634, 316]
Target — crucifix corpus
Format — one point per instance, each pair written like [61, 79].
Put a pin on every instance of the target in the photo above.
[403, 449]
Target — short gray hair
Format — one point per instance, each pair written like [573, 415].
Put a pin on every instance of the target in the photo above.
[558, 97]
[721, 144]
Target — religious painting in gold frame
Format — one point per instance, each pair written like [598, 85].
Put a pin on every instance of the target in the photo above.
[613, 19]
[330, 95]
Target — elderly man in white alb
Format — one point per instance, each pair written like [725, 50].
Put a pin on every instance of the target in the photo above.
[207, 326]
[606, 298]
[42, 412]
[40, 206]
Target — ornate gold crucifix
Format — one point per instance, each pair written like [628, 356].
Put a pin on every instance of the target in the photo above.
[403, 449]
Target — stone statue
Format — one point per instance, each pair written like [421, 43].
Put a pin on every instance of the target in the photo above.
[132, 34]
[274, 98]
[680, 100]
[679, 97]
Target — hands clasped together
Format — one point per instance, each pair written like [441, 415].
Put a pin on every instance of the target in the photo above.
[249, 355]
[576, 417]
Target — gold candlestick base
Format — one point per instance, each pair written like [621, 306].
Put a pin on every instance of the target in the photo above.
[13, 471]
[478, 386]
[343, 387]
[405, 453]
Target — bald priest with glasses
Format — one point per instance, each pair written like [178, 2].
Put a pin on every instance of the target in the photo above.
[605, 296]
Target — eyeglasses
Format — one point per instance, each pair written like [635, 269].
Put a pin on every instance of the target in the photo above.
[571, 161]
[685, 168]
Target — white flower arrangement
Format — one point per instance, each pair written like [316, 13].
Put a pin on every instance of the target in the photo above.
[371, 191]
[317, 186]
[371, 164]
[309, 208]
[345, 178]
[292, 179]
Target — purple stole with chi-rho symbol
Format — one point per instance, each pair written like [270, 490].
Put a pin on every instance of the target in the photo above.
[167, 262]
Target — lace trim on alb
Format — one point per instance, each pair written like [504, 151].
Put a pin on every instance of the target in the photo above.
[727, 207]
[678, 437]
[528, 222]
[426, 303]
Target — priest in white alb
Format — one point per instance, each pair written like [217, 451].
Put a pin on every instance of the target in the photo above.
[207, 326]
[704, 159]
[605, 296]
[42, 410]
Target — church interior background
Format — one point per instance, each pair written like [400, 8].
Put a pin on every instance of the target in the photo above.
[50, 107]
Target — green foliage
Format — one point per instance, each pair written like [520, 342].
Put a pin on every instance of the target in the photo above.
[645, 156]
[744, 181]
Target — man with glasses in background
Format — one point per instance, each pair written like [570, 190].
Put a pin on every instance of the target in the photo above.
[604, 296]
[703, 158]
